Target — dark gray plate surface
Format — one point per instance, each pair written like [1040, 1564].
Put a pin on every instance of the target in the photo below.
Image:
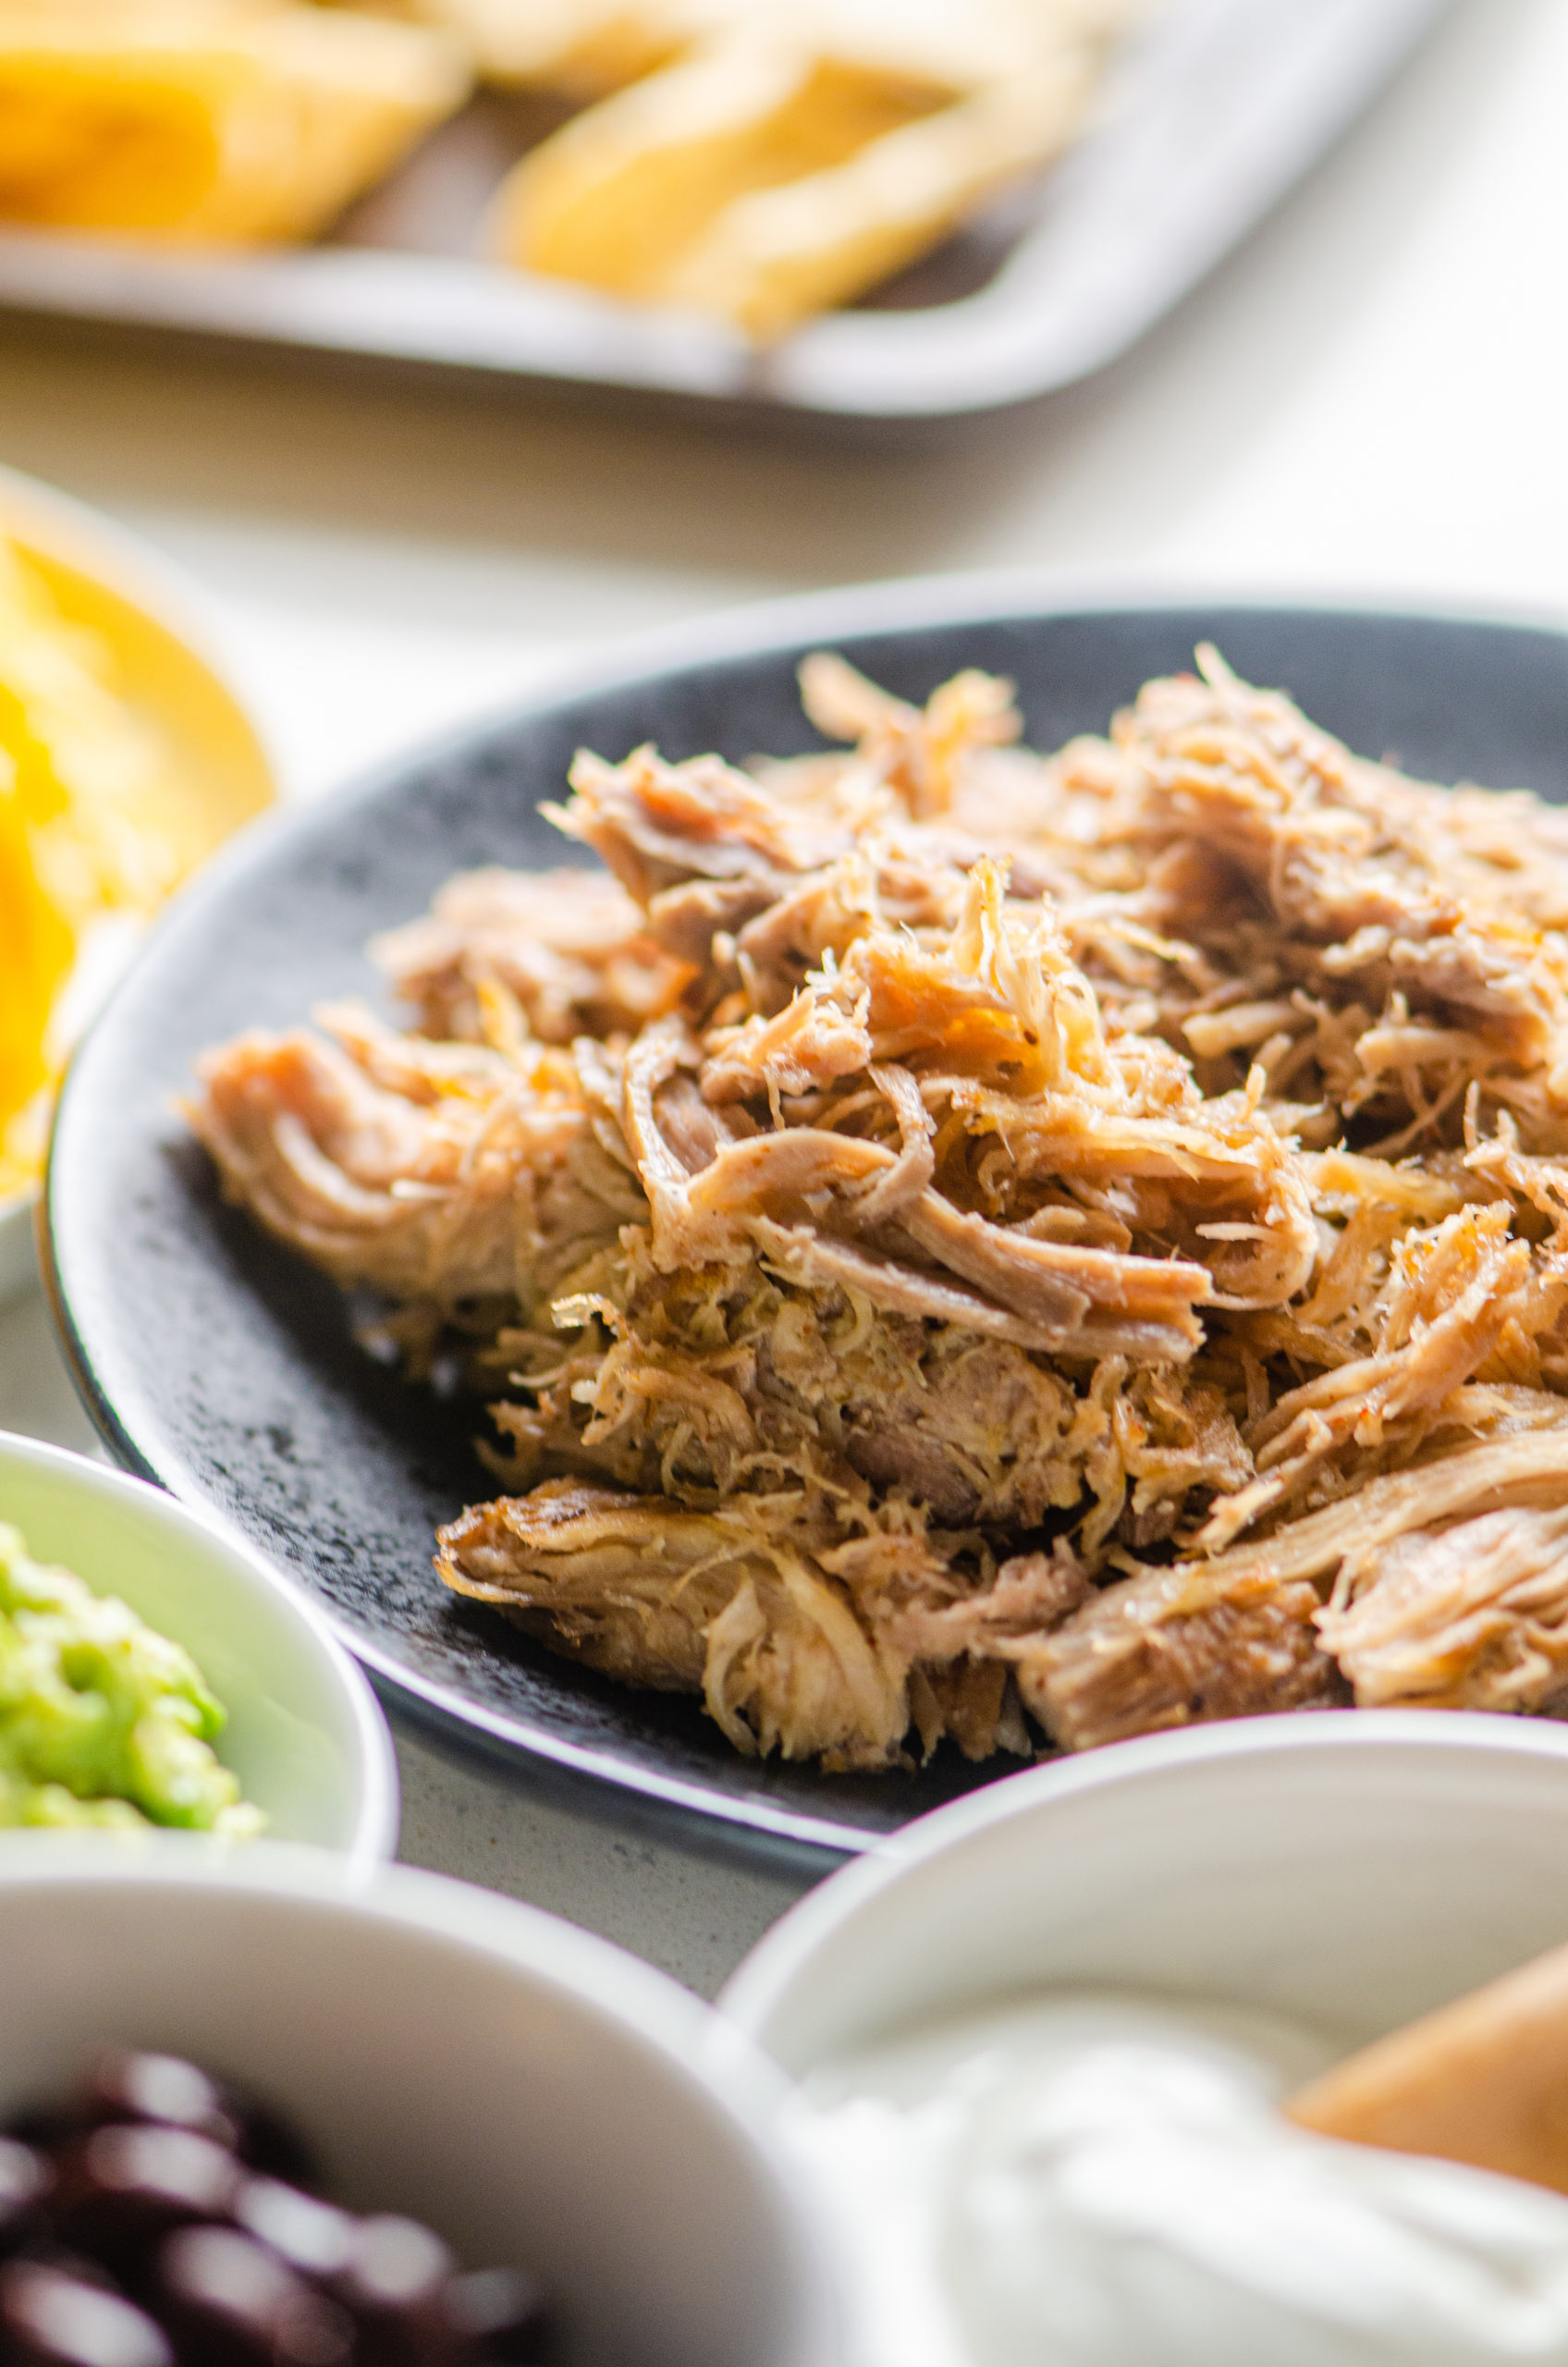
[223, 1367]
[1207, 120]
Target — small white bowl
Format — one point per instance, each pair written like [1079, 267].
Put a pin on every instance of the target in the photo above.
[541, 2099]
[305, 1735]
[1349, 1870]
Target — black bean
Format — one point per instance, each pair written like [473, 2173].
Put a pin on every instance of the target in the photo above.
[45, 2128]
[500, 2315]
[161, 2181]
[49, 2318]
[229, 2301]
[395, 2285]
[314, 2239]
[126, 2186]
[160, 2089]
[25, 2180]
[270, 2146]
[45, 2253]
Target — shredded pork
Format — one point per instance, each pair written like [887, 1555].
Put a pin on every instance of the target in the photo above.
[963, 1244]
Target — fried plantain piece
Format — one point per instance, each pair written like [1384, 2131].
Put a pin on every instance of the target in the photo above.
[209, 121]
[785, 160]
[578, 49]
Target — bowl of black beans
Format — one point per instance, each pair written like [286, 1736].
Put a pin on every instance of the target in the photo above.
[407, 2124]
[156, 2217]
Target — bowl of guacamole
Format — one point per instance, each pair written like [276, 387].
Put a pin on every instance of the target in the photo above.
[153, 1672]
[103, 1721]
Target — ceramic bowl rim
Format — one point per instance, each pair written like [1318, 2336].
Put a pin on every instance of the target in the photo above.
[783, 1960]
[564, 1954]
[373, 1842]
[734, 2084]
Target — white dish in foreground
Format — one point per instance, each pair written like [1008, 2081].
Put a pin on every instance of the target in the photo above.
[304, 1734]
[1044, 2034]
[1349, 1870]
[541, 2099]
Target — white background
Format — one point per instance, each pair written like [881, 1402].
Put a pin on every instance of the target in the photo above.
[1371, 396]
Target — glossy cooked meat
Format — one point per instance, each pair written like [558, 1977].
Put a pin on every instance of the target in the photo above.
[954, 1238]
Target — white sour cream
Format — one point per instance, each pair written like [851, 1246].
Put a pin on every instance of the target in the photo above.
[1101, 2181]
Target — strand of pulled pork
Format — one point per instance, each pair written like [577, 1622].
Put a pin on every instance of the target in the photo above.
[859, 1051]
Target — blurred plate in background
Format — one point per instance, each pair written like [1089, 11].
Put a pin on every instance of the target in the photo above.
[1210, 117]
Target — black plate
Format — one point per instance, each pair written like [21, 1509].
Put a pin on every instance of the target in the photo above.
[223, 1367]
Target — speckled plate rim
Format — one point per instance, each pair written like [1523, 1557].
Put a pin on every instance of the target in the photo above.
[594, 1781]
[781, 1969]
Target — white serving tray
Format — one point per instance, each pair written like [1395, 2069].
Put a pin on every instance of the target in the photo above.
[1212, 113]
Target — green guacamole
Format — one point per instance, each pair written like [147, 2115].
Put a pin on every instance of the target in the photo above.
[103, 1721]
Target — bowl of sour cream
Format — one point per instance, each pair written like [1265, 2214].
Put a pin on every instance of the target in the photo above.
[1040, 2043]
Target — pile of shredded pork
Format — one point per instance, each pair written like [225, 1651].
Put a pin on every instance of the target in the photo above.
[970, 1245]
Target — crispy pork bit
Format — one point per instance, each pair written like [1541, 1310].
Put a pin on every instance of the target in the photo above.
[1136, 1659]
[436, 1173]
[689, 1603]
[1471, 1617]
[958, 1238]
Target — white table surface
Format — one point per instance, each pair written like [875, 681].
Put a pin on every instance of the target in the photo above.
[1370, 397]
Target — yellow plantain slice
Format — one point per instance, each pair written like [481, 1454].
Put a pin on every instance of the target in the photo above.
[961, 44]
[364, 102]
[577, 48]
[794, 155]
[584, 48]
[82, 781]
[208, 119]
[36, 953]
[187, 19]
[772, 259]
[621, 194]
